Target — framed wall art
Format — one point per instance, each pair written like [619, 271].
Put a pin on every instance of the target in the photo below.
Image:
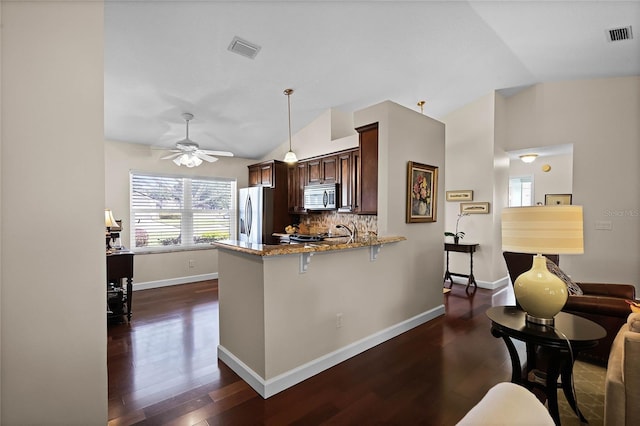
[474, 208]
[422, 191]
[557, 199]
[462, 195]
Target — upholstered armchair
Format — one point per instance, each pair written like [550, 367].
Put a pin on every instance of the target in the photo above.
[603, 304]
[622, 383]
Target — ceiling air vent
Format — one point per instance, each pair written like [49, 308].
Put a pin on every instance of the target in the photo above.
[618, 34]
[244, 48]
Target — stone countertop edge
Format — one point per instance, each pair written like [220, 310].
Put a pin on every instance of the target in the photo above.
[284, 249]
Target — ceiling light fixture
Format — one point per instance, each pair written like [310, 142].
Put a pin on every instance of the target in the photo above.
[421, 105]
[529, 158]
[290, 156]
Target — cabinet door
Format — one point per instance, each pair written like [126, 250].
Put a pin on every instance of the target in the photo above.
[297, 181]
[329, 169]
[255, 177]
[345, 179]
[368, 169]
[266, 175]
[314, 171]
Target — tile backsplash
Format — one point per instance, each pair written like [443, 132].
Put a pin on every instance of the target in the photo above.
[321, 223]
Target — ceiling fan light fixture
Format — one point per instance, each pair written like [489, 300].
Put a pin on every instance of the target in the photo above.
[188, 153]
[290, 156]
[188, 160]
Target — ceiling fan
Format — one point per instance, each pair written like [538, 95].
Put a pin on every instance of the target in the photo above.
[188, 153]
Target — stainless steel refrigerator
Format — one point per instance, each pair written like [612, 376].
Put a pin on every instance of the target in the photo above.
[256, 215]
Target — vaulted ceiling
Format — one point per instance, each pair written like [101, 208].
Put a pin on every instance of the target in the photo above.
[163, 58]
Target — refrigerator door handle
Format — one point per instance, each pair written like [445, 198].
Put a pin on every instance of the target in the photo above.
[248, 211]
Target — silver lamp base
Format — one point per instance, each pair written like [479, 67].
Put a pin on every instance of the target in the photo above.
[539, 321]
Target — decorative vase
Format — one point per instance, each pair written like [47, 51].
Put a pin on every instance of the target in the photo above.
[422, 208]
[456, 240]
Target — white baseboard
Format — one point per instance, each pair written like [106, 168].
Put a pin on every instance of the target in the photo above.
[270, 387]
[174, 281]
[489, 285]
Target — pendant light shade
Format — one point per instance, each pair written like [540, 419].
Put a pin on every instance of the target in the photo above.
[290, 156]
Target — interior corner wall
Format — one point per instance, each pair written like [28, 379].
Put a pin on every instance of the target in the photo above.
[600, 118]
[470, 165]
[53, 322]
[159, 269]
[331, 131]
[405, 135]
[501, 166]
[0, 215]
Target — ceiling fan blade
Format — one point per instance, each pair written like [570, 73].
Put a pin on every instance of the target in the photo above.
[205, 157]
[170, 156]
[218, 153]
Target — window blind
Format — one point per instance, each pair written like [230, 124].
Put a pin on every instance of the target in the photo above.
[174, 212]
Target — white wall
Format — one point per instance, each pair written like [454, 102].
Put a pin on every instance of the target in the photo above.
[158, 269]
[329, 132]
[600, 118]
[405, 135]
[558, 180]
[54, 364]
[471, 165]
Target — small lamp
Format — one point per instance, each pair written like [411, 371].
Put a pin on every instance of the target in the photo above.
[109, 222]
[553, 229]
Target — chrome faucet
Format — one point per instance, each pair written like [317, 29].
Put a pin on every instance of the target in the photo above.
[353, 233]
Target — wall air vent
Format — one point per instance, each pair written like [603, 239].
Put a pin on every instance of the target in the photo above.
[244, 48]
[618, 34]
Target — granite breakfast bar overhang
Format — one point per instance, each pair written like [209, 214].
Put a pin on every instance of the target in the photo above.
[288, 312]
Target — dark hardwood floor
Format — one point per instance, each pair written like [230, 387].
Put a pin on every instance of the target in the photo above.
[163, 369]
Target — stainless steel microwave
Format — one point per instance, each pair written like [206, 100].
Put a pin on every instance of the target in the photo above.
[320, 197]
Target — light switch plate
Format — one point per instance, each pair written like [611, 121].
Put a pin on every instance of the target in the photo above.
[604, 225]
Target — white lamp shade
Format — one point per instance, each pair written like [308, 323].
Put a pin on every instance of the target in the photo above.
[290, 157]
[109, 220]
[543, 229]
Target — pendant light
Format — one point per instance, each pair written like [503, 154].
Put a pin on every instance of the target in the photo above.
[290, 156]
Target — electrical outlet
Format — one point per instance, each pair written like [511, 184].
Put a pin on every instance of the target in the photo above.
[339, 320]
[192, 263]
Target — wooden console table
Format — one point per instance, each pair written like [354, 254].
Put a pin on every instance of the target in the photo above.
[119, 268]
[460, 248]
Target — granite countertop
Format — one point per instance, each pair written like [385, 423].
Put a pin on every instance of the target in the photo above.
[283, 249]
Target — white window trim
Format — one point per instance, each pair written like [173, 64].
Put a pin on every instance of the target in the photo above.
[186, 211]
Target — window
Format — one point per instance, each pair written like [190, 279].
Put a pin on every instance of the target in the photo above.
[176, 212]
[520, 191]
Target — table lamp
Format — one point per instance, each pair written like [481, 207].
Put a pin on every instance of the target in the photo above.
[553, 229]
[109, 222]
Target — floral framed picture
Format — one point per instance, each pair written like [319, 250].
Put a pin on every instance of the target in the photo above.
[422, 191]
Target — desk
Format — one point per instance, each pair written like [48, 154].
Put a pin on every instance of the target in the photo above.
[119, 268]
[460, 248]
[509, 322]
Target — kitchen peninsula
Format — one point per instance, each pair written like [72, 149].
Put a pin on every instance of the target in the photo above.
[288, 312]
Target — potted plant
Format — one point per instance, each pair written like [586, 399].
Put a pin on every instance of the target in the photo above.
[458, 235]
